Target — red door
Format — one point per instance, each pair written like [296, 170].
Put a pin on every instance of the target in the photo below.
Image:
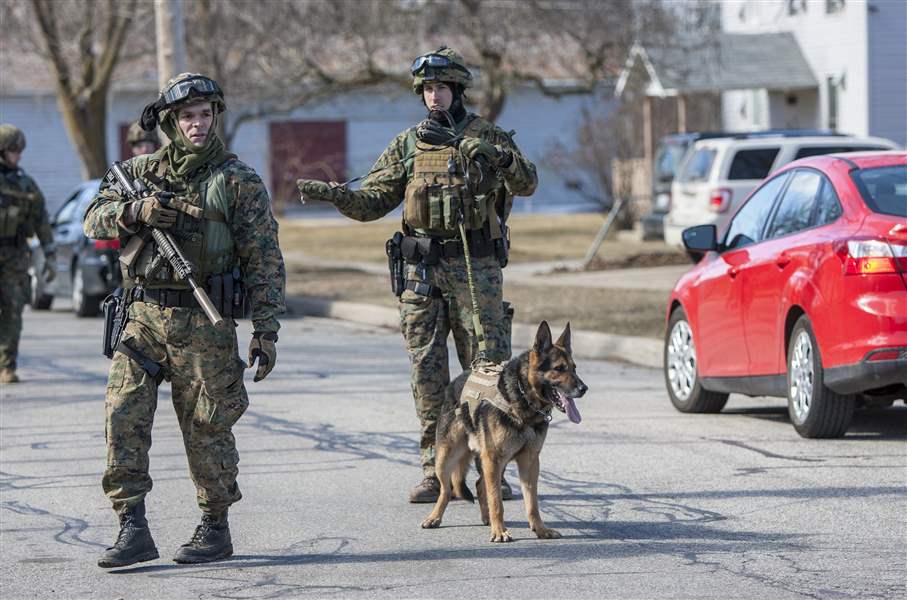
[305, 149]
[720, 346]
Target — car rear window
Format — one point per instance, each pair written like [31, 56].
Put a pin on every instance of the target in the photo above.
[699, 164]
[884, 189]
[753, 164]
[819, 150]
[666, 160]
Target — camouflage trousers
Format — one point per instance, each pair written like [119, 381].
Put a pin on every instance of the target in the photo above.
[427, 322]
[13, 296]
[205, 373]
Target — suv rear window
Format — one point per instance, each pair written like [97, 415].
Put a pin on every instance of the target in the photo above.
[819, 150]
[884, 189]
[753, 164]
[697, 167]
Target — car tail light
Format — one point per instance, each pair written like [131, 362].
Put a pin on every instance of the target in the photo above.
[720, 200]
[107, 244]
[869, 257]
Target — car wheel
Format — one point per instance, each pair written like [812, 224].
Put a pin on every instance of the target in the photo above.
[83, 304]
[38, 299]
[681, 377]
[815, 410]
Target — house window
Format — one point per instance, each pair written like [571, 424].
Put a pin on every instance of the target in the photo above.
[308, 150]
[833, 6]
[832, 89]
[795, 7]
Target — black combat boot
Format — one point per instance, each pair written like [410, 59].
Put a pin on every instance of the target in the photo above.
[211, 541]
[134, 543]
[506, 490]
[427, 491]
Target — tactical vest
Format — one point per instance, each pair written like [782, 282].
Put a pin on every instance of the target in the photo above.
[201, 231]
[437, 193]
[16, 206]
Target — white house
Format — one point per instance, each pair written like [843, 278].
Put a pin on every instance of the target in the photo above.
[857, 51]
[342, 137]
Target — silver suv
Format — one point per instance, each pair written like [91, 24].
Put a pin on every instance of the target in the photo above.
[717, 175]
[87, 269]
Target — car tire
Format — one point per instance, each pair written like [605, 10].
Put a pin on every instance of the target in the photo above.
[680, 372]
[815, 410]
[84, 305]
[37, 299]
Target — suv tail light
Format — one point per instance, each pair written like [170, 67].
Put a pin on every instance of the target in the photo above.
[868, 257]
[107, 244]
[720, 200]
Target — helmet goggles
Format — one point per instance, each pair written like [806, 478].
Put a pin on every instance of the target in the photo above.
[181, 90]
[435, 61]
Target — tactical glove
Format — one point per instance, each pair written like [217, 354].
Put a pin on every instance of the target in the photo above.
[264, 347]
[432, 132]
[50, 270]
[149, 210]
[312, 189]
[473, 147]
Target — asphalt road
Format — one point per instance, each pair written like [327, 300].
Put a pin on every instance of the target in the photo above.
[651, 503]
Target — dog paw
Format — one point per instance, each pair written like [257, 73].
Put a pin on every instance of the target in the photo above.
[486, 521]
[431, 523]
[547, 534]
[502, 536]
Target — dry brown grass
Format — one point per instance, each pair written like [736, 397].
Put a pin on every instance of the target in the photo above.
[622, 312]
[534, 237]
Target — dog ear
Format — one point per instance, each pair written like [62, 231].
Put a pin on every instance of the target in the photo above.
[542, 337]
[564, 340]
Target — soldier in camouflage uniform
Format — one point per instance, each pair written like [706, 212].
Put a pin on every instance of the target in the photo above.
[141, 141]
[22, 215]
[429, 178]
[220, 216]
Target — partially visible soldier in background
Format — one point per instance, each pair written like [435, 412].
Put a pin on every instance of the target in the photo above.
[431, 175]
[141, 141]
[217, 210]
[22, 215]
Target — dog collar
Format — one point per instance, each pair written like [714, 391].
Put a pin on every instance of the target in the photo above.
[545, 415]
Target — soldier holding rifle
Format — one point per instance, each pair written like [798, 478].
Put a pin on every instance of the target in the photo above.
[200, 243]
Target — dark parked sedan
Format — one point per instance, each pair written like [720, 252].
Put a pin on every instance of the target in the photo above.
[87, 269]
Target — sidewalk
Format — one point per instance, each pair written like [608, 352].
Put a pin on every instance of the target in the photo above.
[586, 344]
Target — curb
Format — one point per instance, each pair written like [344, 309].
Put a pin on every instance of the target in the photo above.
[645, 352]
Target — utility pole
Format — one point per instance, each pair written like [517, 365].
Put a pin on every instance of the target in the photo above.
[171, 39]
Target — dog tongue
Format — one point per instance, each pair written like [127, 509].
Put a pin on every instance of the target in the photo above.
[572, 412]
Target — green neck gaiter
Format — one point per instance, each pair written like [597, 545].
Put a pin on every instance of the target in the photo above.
[183, 157]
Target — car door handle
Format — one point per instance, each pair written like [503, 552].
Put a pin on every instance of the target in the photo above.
[782, 261]
[733, 272]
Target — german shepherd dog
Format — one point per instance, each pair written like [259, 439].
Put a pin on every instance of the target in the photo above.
[530, 386]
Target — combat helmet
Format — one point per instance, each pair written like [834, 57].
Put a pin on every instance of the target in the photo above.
[178, 91]
[444, 65]
[137, 135]
[11, 138]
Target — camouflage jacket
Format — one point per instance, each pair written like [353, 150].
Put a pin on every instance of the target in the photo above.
[383, 190]
[22, 204]
[252, 227]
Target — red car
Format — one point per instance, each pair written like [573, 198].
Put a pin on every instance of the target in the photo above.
[804, 295]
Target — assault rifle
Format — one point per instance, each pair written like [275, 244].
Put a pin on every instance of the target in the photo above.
[166, 245]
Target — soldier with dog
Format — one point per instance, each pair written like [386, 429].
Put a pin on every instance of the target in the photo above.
[453, 168]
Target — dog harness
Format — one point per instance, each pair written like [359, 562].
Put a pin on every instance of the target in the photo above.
[482, 385]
